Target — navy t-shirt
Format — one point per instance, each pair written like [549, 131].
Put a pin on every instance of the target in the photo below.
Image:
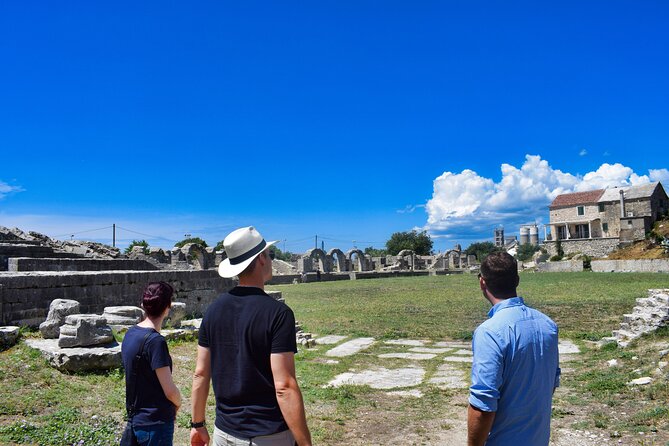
[153, 407]
[242, 328]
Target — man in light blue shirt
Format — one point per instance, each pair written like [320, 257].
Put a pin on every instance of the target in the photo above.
[515, 368]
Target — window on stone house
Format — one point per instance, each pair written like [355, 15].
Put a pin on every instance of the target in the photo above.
[601, 207]
[605, 227]
[580, 210]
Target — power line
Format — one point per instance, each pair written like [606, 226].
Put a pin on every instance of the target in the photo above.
[147, 235]
[80, 232]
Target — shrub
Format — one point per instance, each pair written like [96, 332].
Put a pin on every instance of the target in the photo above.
[134, 243]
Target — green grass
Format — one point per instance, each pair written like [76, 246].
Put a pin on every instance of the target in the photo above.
[39, 405]
[584, 305]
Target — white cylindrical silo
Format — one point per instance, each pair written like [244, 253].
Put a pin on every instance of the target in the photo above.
[534, 235]
[524, 235]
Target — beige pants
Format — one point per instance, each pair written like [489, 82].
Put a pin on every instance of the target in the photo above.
[284, 438]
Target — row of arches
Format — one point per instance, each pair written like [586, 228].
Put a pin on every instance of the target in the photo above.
[335, 260]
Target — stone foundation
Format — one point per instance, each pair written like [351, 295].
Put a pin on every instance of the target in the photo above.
[25, 297]
[631, 266]
[596, 247]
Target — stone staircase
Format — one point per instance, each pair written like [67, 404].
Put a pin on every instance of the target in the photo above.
[649, 314]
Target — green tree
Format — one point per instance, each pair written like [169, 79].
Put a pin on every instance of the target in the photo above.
[134, 243]
[185, 241]
[481, 250]
[278, 254]
[526, 251]
[219, 246]
[419, 242]
[374, 252]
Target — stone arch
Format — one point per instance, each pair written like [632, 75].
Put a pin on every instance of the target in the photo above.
[360, 262]
[196, 255]
[340, 263]
[407, 253]
[319, 259]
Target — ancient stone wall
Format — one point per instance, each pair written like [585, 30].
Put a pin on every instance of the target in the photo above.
[569, 266]
[18, 264]
[591, 247]
[25, 297]
[631, 266]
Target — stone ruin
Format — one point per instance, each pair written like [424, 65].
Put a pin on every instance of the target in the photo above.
[76, 342]
[336, 261]
[649, 314]
[32, 251]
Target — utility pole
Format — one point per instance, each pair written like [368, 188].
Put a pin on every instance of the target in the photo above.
[114, 235]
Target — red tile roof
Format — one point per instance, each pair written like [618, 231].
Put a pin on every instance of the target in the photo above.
[576, 198]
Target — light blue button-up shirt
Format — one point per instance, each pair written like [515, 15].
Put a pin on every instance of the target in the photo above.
[514, 373]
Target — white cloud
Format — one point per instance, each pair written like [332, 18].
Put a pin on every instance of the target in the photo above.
[583, 152]
[465, 203]
[659, 175]
[6, 189]
[610, 175]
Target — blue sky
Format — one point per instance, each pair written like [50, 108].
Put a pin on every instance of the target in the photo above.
[347, 120]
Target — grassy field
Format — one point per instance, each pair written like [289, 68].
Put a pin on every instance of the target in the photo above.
[39, 405]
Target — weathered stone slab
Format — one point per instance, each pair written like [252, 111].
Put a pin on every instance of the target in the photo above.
[566, 347]
[176, 315]
[81, 330]
[453, 344]
[429, 350]
[351, 347]
[330, 339]
[458, 359]
[449, 377]
[381, 378]
[181, 334]
[8, 336]
[78, 359]
[195, 323]
[403, 355]
[59, 309]
[409, 342]
[413, 393]
[123, 316]
[464, 351]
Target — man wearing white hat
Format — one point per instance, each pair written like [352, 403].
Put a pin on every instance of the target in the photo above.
[246, 348]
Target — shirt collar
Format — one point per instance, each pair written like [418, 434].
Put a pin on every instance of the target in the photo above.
[506, 303]
[242, 291]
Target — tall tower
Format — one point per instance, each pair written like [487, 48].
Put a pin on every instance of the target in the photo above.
[499, 236]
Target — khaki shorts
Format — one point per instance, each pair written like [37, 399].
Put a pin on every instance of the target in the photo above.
[284, 438]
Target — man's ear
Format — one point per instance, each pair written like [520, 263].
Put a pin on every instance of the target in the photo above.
[482, 284]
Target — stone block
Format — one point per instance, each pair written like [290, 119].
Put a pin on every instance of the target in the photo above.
[8, 336]
[125, 315]
[176, 315]
[82, 330]
[58, 311]
[78, 359]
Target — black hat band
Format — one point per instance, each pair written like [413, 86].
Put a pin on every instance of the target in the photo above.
[247, 255]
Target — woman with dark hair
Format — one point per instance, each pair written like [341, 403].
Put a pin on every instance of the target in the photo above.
[152, 398]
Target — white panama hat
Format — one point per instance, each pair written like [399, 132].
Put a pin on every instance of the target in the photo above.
[242, 246]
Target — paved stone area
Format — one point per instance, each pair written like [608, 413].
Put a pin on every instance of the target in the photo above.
[417, 356]
[330, 340]
[452, 372]
[351, 347]
[449, 377]
[382, 378]
[411, 342]
[429, 350]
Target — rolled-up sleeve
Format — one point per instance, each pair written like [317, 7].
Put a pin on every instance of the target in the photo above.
[487, 371]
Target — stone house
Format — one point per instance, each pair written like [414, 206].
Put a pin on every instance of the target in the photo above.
[596, 222]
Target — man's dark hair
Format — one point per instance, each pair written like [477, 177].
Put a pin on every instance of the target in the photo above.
[500, 272]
